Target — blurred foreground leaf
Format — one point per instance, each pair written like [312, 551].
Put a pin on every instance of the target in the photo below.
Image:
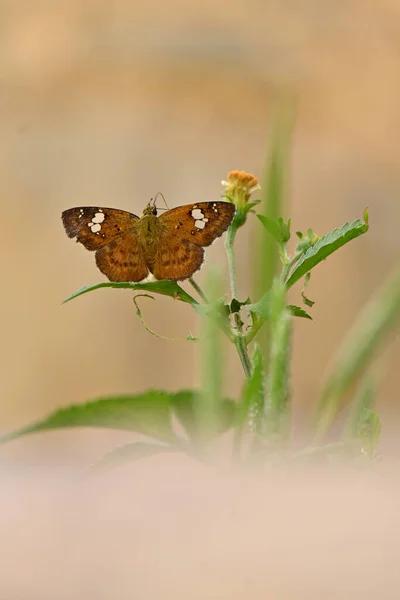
[127, 453]
[374, 323]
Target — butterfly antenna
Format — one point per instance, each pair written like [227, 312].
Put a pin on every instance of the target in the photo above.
[162, 196]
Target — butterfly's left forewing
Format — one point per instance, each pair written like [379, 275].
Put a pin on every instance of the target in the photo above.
[199, 223]
[94, 227]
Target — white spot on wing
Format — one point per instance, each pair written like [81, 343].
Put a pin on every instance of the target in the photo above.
[98, 217]
[95, 227]
[197, 214]
[200, 224]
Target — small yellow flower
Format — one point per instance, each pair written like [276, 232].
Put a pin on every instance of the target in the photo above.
[239, 187]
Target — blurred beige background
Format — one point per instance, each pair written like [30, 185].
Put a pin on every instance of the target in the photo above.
[108, 103]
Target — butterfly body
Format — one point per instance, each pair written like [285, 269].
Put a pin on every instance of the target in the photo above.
[129, 247]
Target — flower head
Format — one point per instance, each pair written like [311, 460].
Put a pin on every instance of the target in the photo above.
[239, 187]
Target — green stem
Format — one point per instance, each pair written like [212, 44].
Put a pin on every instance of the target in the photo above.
[239, 339]
[231, 260]
[198, 290]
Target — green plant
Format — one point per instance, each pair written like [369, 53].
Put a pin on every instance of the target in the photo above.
[260, 331]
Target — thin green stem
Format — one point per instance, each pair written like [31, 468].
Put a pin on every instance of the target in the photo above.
[239, 340]
[198, 290]
[231, 260]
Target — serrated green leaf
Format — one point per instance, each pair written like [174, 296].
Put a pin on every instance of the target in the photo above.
[164, 287]
[128, 453]
[296, 311]
[328, 244]
[148, 413]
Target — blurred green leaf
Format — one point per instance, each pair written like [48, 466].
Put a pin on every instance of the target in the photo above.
[369, 431]
[374, 323]
[212, 360]
[274, 202]
[185, 408]
[273, 188]
[328, 244]
[166, 288]
[362, 399]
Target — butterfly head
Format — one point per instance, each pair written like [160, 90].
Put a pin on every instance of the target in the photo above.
[150, 210]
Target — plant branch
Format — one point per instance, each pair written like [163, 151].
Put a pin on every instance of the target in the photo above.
[198, 290]
[239, 340]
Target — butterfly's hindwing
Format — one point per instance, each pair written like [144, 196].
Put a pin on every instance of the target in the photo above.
[199, 223]
[122, 259]
[94, 227]
[176, 258]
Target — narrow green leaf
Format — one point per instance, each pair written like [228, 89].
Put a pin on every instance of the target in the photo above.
[328, 244]
[374, 323]
[148, 413]
[212, 367]
[164, 287]
[277, 382]
[274, 193]
[296, 311]
[128, 453]
[274, 201]
[362, 399]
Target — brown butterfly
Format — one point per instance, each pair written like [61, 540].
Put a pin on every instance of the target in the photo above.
[128, 247]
